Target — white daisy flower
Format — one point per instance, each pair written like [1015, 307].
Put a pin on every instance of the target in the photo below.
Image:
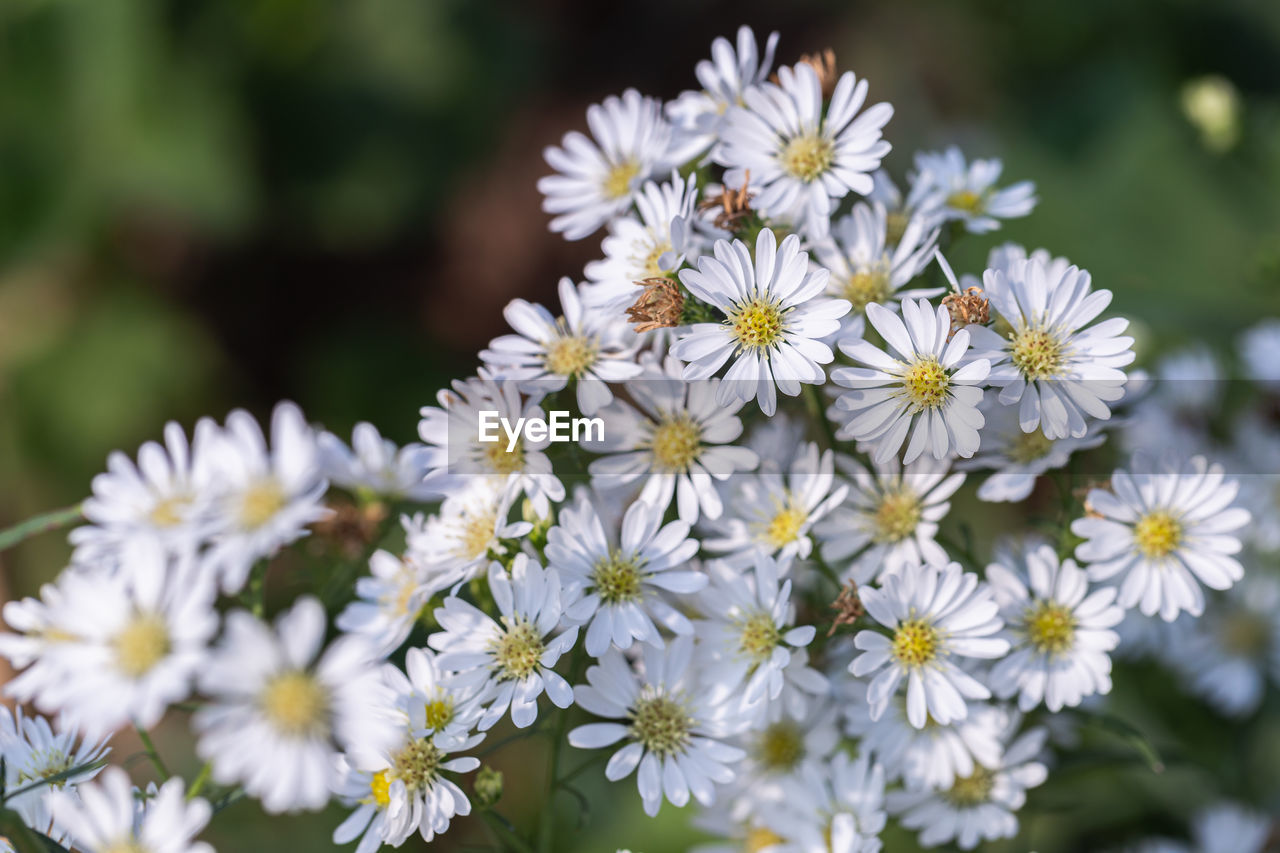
[597, 178]
[374, 464]
[936, 616]
[512, 660]
[616, 588]
[587, 345]
[966, 192]
[747, 635]
[866, 268]
[458, 543]
[1060, 630]
[929, 380]
[37, 649]
[977, 808]
[773, 514]
[830, 807]
[650, 244]
[1058, 371]
[161, 496]
[1162, 531]
[408, 788]
[889, 518]
[279, 704]
[676, 439]
[802, 157]
[775, 750]
[268, 496]
[673, 734]
[1260, 352]
[775, 321]
[33, 751]
[388, 601]
[108, 816]
[452, 429]
[699, 116]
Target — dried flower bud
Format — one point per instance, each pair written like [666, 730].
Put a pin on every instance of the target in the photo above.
[968, 308]
[350, 528]
[658, 307]
[735, 205]
[824, 64]
[848, 607]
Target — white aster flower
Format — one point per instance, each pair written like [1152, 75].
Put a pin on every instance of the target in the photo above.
[936, 616]
[458, 543]
[1017, 458]
[977, 808]
[775, 750]
[374, 464]
[672, 732]
[1260, 352]
[279, 705]
[802, 157]
[32, 752]
[777, 441]
[108, 816]
[928, 380]
[268, 496]
[966, 192]
[1057, 371]
[615, 583]
[388, 601]
[586, 345]
[677, 438]
[510, 660]
[1060, 630]
[890, 517]
[775, 321]
[1162, 531]
[830, 807]
[597, 179]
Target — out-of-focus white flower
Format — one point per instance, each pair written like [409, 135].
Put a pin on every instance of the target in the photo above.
[458, 543]
[1017, 458]
[830, 807]
[1260, 352]
[966, 192]
[108, 816]
[374, 464]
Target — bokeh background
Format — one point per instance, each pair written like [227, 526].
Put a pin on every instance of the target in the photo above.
[207, 204]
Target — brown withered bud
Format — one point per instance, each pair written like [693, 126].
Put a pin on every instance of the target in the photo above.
[848, 607]
[658, 306]
[968, 308]
[824, 65]
[735, 205]
[350, 528]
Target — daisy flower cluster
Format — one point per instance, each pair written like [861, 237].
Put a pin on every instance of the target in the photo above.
[761, 576]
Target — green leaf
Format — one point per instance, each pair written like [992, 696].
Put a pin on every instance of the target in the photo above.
[25, 839]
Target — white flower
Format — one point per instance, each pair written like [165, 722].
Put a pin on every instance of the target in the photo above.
[802, 157]
[453, 430]
[776, 749]
[777, 441]
[830, 807]
[928, 382]
[597, 180]
[1230, 828]
[890, 516]
[512, 660]
[457, 544]
[775, 321]
[672, 731]
[267, 497]
[33, 752]
[954, 190]
[1060, 630]
[1260, 352]
[278, 704]
[866, 268]
[160, 497]
[1163, 530]
[388, 601]
[374, 464]
[747, 636]
[699, 116]
[649, 245]
[937, 615]
[677, 438]
[108, 817]
[616, 587]
[1017, 458]
[1058, 371]
[979, 807]
[772, 513]
[586, 345]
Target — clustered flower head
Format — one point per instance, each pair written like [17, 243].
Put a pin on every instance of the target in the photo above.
[748, 589]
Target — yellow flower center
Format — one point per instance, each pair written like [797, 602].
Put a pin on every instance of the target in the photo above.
[650, 266]
[759, 839]
[475, 532]
[380, 787]
[675, 444]
[896, 225]
[417, 765]
[966, 200]
[125, 845]
[863, 288]
[1037, 354]
[781, 746]
[45, 763]
[1245, 634]
[617, 183]
[915, 643]
[141, 645]
[296, 704]
[758, 637]
[404, 596]
[167, 512]
[617, 578]
[1157, 534]
[517, 650]
[784, 526]
[438, 712]
[807, 157]
[926, 383]
[972, 790]
[756, 325]
[897, 516]
[1027, 447]
[570, 355]
[660, 723]
[502, 461]
[260, 503]
[1051, 628]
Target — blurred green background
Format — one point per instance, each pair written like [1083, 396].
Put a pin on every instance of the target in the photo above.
[216, 203]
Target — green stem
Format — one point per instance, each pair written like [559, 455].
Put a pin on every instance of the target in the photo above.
[504, 830]
[200, 779]
[44, 523]
[53, 780]
[152, 753]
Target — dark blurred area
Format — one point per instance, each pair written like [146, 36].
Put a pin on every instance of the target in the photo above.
[216, 203]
